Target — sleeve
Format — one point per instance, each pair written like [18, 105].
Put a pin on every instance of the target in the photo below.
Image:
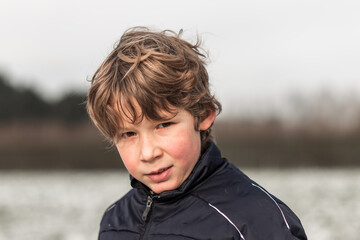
[280, 214]
[293, 221]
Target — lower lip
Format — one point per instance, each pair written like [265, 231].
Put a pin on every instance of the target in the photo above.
[160, 177]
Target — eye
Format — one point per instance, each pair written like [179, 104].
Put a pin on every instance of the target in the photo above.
[127, 134]
[164, 125]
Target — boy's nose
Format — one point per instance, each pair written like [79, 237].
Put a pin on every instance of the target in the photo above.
[149, 149]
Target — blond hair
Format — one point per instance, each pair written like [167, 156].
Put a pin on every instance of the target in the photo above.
[158, 71]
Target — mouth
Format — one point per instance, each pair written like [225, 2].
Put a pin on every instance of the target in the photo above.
[161, 170]
[160, 175]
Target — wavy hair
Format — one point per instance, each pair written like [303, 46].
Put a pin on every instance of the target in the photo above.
[155, 71]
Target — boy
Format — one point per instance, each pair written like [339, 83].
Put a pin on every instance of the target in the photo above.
[151, 98]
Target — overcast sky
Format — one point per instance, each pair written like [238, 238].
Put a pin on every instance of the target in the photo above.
[261, 51]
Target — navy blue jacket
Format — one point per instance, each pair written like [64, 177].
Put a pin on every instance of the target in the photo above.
[217, 201]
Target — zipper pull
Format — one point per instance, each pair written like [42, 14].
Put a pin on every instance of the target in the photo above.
[148, 207]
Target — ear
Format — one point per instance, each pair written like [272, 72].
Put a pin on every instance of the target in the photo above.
[208, 121]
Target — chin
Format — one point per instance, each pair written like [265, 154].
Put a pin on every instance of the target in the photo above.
[166, 187]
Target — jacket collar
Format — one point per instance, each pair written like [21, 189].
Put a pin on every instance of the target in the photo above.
[208, 163]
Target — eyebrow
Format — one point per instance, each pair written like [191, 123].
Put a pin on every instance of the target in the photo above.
[125, 130]
[167, 116]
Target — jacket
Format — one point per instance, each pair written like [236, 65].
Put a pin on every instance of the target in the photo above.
[217, 201]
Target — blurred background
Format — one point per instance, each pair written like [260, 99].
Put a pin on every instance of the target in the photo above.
[287, 74]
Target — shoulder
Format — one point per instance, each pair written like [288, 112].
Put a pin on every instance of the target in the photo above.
[226, 182]
[249, 206]
[122, 214]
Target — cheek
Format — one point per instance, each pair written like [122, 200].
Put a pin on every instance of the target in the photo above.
[186, 148]
[127, 157]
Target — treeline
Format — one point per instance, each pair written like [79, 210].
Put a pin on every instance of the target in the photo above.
[315, 131]
[24, 104]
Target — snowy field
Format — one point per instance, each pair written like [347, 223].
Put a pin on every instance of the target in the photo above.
[68, 205]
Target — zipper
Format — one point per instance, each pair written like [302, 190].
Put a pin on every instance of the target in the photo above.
[146, 216]
[147, 208]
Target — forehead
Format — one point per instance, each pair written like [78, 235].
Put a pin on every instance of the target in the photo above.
[132, 112]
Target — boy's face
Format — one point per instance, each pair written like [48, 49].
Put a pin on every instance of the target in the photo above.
[162, 154]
